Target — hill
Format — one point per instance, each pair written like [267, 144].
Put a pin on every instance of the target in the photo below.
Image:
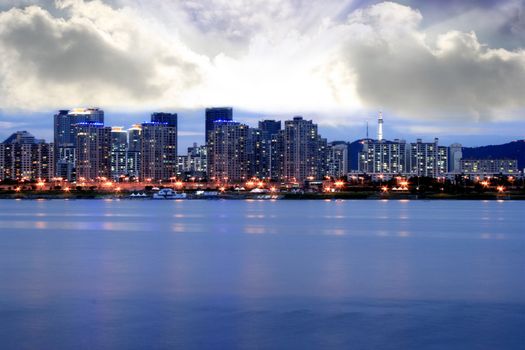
[511, 150]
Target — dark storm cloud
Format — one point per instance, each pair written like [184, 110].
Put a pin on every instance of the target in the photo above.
[454, 77]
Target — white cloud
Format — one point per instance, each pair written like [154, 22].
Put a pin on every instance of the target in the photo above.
[97, 55]
[286, 56]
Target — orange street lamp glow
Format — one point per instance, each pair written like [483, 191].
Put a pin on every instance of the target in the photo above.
[41, 184]
[501, 189]
[18, 189]
[222, 189]
[339, 184]
[179, 184]
[384, 189]
[66, 189]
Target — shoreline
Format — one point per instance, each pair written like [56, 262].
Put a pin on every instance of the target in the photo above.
[280, 196]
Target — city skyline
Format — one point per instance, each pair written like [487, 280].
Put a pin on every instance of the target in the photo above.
[193, 127]
[433, 67]
[85, 148]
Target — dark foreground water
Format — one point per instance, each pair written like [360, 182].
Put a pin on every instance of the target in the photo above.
[262, 275]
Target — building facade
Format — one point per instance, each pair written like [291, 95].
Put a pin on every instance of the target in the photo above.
[259, 154]
[228, 155]
[22, 157]
[390, 158]
[119, 148]
[65, 137]
[428, 159]
[337, 159]
[133, 151]
[455, 154]
[193, 164]
[301, 151]
[158, 153]
[383, 157]
[93, 151]
[489, 166]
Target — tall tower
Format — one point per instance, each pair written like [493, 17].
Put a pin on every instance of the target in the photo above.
[380, 127]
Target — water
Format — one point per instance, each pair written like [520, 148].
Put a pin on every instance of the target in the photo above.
[262, 274]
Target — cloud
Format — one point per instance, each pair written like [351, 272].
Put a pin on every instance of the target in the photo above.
[8, 125]
[440, 130]
[399, 69]
[97, 55]
[325, 58]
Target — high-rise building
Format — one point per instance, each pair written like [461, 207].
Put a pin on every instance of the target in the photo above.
[383, 157]
[93, 151]
[428, 159]
[119, 147]
[193, 165]
[214, 114]
[24, 157]
[43, 165]
[302, 152]
[456, 154]
[266, 155]
[259, 153]
[65, 137]
[133, 152]
[158, 155]
[337, 162]
[228, 156]
[3, 163]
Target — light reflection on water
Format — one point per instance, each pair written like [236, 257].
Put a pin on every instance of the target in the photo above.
[268, 274]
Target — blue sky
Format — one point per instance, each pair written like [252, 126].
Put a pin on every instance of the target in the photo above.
[449, 69]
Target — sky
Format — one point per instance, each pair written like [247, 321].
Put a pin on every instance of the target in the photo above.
[453, 69]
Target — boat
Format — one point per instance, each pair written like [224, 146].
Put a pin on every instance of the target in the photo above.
[168, 193]
[207, 194]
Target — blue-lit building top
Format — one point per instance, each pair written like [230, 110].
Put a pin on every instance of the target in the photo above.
[216, 114]
[161, 117]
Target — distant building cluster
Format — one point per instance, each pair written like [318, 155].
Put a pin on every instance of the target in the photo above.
[84, 149]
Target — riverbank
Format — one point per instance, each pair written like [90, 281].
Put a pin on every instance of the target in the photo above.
[365, 195]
